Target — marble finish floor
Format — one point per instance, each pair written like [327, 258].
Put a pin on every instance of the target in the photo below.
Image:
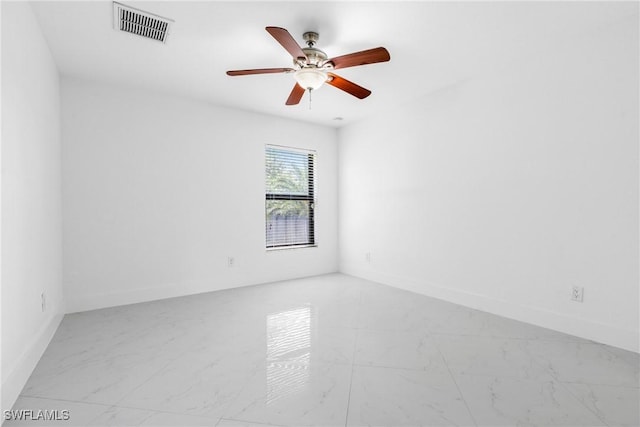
[329, 351]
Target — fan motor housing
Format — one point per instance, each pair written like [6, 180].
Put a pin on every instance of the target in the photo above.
[314, 56]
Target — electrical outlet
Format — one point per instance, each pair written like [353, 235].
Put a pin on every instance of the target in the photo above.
[577, 293]
[367, 257]
[230, 261]
[43, 302]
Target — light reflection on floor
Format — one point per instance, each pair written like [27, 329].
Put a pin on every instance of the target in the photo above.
[288, 352]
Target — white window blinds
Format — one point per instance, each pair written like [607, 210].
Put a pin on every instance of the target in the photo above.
[289, 197]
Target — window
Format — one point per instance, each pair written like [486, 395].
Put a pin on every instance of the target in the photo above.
[289, 197]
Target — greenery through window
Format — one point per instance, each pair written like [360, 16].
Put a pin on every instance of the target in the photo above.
[289, 213]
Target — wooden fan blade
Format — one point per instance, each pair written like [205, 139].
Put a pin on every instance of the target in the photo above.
[287, 41]
[259, 71]
[296, 95]
[347, 86]
[371, 56]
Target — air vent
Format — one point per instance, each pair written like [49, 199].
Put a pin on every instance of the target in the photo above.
[141, 23]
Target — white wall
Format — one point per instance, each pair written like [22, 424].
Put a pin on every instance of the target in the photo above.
[503, 192]
[158, 191]
[31, 197]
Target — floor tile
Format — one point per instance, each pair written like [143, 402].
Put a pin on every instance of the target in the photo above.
[387, 309]
[501, 327]
[294, 335]
[488, 356]
[94, 379]
[79, 414]
[337, 314]
[159, 419]
[237, 423]
[201, 384]
[396, 349]
[628, 356]
[120, 417]
[321, 351]
[110, 333]
[334, 345]
[292, 394]
[508, 401]
[399, 397]
[616, 406]
[584, 363]
[447, 318]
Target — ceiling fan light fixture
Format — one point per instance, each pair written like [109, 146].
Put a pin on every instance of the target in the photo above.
[310, 78]
[312, 68]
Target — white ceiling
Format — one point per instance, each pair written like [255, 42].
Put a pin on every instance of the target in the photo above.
[432, 45]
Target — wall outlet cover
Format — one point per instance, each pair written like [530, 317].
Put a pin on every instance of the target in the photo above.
[577, 294]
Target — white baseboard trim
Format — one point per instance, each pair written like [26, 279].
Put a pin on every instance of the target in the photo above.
[595, 331]
[79, 303]
[18, 376]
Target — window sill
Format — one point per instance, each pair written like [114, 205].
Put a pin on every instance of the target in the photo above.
[288, 248]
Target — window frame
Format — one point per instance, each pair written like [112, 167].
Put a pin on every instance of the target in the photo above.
[309, 197]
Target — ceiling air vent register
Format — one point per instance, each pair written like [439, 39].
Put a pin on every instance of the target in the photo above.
[141, 23]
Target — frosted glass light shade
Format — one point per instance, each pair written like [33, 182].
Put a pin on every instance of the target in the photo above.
[310, 78]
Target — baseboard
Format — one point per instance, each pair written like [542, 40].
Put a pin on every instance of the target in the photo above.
[583, 328]
[79, 303]
[17, 378]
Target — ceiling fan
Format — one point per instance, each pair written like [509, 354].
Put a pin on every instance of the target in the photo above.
[312, 67]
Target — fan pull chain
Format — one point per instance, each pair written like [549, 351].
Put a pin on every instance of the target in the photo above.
[310, 98]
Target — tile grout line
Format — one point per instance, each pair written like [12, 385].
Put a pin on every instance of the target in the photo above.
[507, 337]
[55, 399]
[607, 349]
[256, 369]
[346, 418]
[454, 381]
[106, 407]
[568, 390]
[431, 334]
[158, 411]
[552, 374]
[147, 418]
[353, 356]
[124, 396]
[247, 421]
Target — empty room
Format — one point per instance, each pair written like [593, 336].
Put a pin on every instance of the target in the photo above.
[316, 213]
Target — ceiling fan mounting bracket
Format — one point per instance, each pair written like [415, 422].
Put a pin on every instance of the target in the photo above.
[311, 38]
